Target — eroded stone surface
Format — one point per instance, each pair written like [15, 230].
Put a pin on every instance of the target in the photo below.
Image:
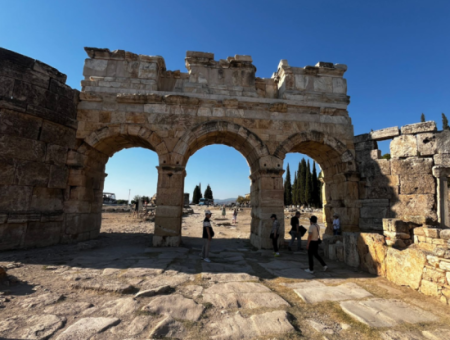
[437, 334]
[41, 300]
[385, 313]
[396, 335]
[169, 328]
[87, 327]
[176, 306]
[68, 308]
[346, 291]
[38, 327]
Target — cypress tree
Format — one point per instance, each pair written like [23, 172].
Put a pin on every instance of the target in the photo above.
[295, 190]
[422, 118]
[200, 190]
[315, 191]
[308, 185]
[288, 188]
[302, 183]
[445, 122]
[208, 192]
[195, 196]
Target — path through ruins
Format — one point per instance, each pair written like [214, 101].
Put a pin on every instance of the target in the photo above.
[117, 287]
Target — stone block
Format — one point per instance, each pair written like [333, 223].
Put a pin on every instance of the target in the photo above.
[366, 145]
[167, 226]
[82, 207]
[374, 212]
[15, 198]
[6, 86]
[32, 173]
[58, 177]
[75, 224]
[18, 124]
[21, 148]
[415, 208]
[411, 166]
[403, 146]
[396, 225]
[58, 134]
[56, 154]
[42, 234]
[384, 134]
[47, 199]
[431, 232]
[442, 160]
[405, 267]
[419, 128]
[372, 252]
[443, 142]
[445, 234]
[12, 235]
[351, 249]
[7, 171]
[426, 144]
[417, 184]
[429, 288]
[95, 67]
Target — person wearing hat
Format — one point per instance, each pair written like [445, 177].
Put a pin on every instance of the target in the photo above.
[274, 234]
[336, 224]
[208, 234]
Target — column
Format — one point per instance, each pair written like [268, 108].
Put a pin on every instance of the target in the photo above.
[442, 174]
[267, 199]
[169, 201]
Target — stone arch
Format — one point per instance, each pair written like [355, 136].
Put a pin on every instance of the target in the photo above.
[222, 132]
[340, 191]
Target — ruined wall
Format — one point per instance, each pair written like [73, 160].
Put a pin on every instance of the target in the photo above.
[37, 129]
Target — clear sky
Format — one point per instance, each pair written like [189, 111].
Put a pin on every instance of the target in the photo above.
[397, 52]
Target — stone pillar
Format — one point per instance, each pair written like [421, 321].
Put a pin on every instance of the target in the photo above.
[267, 197]
[442, 174]
[169, 201]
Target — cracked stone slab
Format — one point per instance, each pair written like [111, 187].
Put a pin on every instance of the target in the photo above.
[191, 290]
[287, 269]
[395, 335]
[175, 305]
[437, 334]
[153, 291]
[68, 308]
[320, 327]
[147, 267]
[346, 291]
[38, 327]
[385, 313]
[231, 327]
[167, 280]
[229, 277]
[41, 300]
[119, 307]
[105, 286]
[168, 328]
[87, 328]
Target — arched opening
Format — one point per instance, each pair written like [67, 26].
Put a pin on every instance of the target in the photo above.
[339, 176]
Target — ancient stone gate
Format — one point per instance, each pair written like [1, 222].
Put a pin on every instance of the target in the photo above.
[130, 100]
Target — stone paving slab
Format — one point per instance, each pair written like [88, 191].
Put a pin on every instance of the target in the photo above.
[395, 335]
[437, 334]
[229, 277]
[38, 327]
[175, 305]
[321, 293]
[226, 268]
[288, 269]
[385, 313]
[87, 328]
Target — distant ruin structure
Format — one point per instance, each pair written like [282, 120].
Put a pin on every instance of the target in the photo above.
[56, 141]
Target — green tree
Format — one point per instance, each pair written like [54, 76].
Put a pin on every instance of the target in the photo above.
[301, 182]
[208, 192]
[196, 195]
[287, 187]
[308, 185]
[295, 190]
[445, 122]
[200, 190]
[315, 187]
[422, 118]
[386, 156]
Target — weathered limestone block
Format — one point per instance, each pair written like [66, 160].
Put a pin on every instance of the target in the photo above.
[42, 234]
[403, 146]
[384, 134]
[372, 252]
[12, 235]
[419, 128]
[415, 208]
[411, 166]
[15, 198]
[417, 184]
[351, 249]
[442, 160]
[429, 288]
[443, 142]
[434, 275]
[405, 267]
[427, 144]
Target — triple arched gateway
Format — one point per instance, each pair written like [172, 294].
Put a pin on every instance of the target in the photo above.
[130, 100]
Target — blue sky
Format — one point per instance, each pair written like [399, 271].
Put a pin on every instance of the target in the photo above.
[397, 53]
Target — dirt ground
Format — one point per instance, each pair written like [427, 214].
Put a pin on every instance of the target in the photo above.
[119, 287]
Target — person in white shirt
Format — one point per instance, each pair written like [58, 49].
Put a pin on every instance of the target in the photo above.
[336, 224]
[313, 245]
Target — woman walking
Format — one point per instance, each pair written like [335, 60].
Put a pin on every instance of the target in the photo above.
[274, 234]
[313, 245]
[208, 234]
[224, 211]
[235, 213]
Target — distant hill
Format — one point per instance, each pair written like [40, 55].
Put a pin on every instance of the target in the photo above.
[223, 201]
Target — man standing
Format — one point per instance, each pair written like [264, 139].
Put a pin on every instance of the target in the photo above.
[313, 245]
[208, 234]
[297, 231]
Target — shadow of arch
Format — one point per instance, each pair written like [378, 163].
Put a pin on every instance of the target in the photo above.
[226, 133]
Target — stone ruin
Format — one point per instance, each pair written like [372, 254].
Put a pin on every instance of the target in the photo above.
[55, 142]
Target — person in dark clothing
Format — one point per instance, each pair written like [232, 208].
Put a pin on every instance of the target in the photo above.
[313, 245]
[274, 234]
[297, 231]
[208, 234]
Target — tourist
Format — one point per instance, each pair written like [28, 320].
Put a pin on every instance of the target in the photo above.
[224, 211]
[313, 245]
[336, 225]
[136, 209]
[297, 232]
[208, 234]
[235, 213]
[274, 234]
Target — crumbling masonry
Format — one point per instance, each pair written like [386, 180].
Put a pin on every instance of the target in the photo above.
[55, 142]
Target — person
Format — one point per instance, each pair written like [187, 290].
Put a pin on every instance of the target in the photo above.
[235, 213]
[136, 209]
[336, 224]
[208, 234]
[313, 245]
[274, 234]
[224, 211]
[297, 231]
